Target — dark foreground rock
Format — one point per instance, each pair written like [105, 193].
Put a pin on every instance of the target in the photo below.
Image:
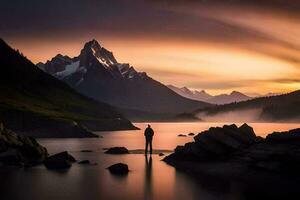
[19, 150]
[117, 150]
[119, 169]
[61, 160]
[236, 154]
[84, 162]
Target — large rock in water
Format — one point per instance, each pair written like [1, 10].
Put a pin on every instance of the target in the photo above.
[20, 150]
[268, 167]
[291, 136]
[117, 150]
[61, 160]
[217, 142]
[119, 169]
[279, 152]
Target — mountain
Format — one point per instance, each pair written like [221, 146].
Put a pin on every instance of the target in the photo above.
[96, 73]
[203, 96]
[229, 98]
[36, 104]
[281, 108]
[195, 94]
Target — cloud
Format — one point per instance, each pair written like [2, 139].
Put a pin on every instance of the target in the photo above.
[283, 5]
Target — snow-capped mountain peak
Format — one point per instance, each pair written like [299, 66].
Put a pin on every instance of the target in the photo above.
[234, 96]
[93, 58]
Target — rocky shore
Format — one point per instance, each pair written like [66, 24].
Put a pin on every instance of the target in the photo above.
[267, 167]
[20, 150]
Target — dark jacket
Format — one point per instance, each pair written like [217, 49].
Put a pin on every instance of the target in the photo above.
[149, 133]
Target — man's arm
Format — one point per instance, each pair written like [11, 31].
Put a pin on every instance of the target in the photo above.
[152, 132]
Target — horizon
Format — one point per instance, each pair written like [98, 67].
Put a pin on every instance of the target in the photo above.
[200, 45]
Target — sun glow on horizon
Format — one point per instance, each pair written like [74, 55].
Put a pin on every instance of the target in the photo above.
[216, 68]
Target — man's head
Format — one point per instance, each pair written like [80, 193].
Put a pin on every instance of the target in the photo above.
[149, 126]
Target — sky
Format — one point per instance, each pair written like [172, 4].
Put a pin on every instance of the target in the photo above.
[252, 46]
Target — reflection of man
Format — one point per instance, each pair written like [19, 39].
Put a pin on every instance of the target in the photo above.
[148, 176]
[148, 136]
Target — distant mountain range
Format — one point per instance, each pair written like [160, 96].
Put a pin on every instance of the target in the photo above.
[36, 104]
[280, 108]
[96, 73]
[203, 96]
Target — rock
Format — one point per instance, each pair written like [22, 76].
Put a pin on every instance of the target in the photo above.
[292, 136]
[217, 143]
[181, 135]
[84, 162]
[161, 154]
[86, 151]
[274, 161]
[12, 157]
[61, 160]
[117, 150]
[20, 150]
[191, 134]
[269, 166]
[247, 133]
[119, 169]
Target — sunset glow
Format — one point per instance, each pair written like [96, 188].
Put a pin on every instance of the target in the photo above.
[204, 47]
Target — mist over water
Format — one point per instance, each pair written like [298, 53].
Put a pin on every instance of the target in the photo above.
[239, 116]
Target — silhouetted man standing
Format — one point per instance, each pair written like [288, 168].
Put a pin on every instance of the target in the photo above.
[148, 135]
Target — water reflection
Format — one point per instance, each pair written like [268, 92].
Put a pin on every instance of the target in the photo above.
[148, 177]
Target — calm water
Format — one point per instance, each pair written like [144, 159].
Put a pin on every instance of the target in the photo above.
[149, 178]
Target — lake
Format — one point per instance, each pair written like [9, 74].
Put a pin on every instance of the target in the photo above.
[149, 178]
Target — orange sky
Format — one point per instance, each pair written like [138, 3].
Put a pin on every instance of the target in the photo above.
[256, 52]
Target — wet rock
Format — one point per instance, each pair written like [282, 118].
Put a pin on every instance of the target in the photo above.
[12, 157]
[20, 150]
[181, 135]
[61, 160]
[217, 143]
[119, 169]
[241, 152]
[191, 134]
[84, 162]
[117, 150]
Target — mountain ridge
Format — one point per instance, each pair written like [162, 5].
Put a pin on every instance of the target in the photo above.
[202, 95]
[97, 74]
[34, 103]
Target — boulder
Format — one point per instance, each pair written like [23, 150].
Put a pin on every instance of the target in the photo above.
[181, 135]
[247, 133]
[161, 154]
[117, 150]
[291, 136]
[12, 157]
[119, 169]
[61, 160]
[20, 150]
[86, 151]
[217, 143]
[84, 162]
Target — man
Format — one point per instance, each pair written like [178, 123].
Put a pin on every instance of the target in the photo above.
[148, 136]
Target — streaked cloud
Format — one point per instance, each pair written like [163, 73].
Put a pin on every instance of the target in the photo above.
[219, 45]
